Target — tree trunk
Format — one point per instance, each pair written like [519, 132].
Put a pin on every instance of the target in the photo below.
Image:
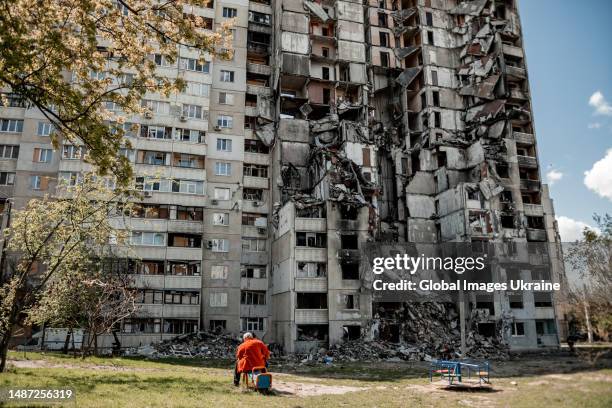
[4, 343]
[67, 342]
[587, 317]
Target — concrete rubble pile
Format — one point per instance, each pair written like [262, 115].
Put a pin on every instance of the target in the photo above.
[206, 345]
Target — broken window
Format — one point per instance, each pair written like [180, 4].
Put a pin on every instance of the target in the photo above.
[184, 268]
[311, 300]
[437, 119]
[175, 297]
[325, 72]
[251, 218]
[350, 301]
[351, 332]
[535, 222]
[310, 212]
[542, 299]
[348, 212]
[253, 271]
[217, 326]
[189, 213]
[515, 300]
[505, 196]
[473, 194]
[149, 297]
[350, 271]
[255, 170]
[219, 272]
[253, 244]
[502, 170]
[255, 146]
[429, 19]
[423, 100]
[325, 52]
[184, 240]
[326, 96]
[382, 19]
[436, 98]
[434, 78]
[251, 297]
[384, 39]
[441, 158]
[518, 329]
[349, 241]
[312, 332]
[311, 270]
[546, 327]
[486, 329]
[310, 239]
[487, 305]
[507, 221]
[430, 38]
[384, 59]
[253, 194]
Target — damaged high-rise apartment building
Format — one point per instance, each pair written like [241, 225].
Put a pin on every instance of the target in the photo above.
[337, 123]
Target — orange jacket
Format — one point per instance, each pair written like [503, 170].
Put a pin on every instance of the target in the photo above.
[252, 353]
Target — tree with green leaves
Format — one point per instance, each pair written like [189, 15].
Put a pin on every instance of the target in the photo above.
[86, 64]
[54, 244]
[591, 256]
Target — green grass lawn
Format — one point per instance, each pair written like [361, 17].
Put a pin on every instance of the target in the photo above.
[120, 382]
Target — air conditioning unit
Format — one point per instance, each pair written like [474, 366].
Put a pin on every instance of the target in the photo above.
[214, 202]
[218, 128]
[209, 244]
[262, 230]
[183, 118]
[257, 203]
[148, 194]
[148, 115]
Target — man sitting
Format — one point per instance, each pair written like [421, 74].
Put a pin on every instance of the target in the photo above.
[251, 353]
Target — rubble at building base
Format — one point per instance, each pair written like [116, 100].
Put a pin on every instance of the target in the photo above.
[204, 345]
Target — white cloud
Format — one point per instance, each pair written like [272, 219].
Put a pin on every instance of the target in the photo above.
[599, 178]
[571, 230]
[594, 125]
[552, 176]
[601, 105]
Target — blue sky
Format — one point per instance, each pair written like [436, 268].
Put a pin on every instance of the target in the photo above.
[569, 57]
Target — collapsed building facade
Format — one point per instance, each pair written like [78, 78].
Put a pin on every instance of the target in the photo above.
[402, 121]
[337, 123]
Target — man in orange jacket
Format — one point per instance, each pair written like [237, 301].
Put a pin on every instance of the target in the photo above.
[251, 353]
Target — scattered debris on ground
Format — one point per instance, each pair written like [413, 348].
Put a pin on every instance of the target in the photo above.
[201, 345]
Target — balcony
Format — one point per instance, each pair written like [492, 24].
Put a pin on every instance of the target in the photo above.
[259, 69]
[530, 185]
[254, 284]
[527, 161]
[253, 311]
[536, 235]
[523, 138]
[311, 224]
[515, 73]
[518, 94]
[255, 182]
[258, 48]
[183, 282]
[186, 311]
[311, 284]
[257, 158]
[258, 90]
[259, 27]
[304, 254]
[533, 209]
[513, 51]
[251, 111]
[311, 316]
